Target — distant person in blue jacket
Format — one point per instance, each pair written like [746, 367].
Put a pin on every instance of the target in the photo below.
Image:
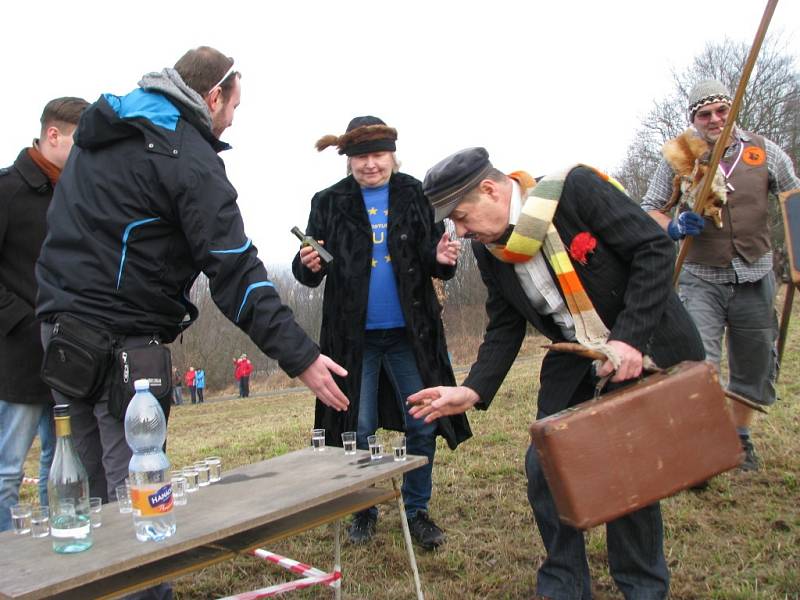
[200, 383]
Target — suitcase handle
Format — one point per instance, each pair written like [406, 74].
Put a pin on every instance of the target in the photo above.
[648, 365]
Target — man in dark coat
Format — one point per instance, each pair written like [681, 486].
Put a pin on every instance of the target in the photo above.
[381, 319]
[614, 294]
[25, 401]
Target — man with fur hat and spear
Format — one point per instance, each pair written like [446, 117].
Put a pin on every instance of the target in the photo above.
[727, 283]
[380, 315]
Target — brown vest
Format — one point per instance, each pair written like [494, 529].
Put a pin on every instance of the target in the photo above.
[745, 230]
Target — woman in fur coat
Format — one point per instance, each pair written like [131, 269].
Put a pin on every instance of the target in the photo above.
[381, 319]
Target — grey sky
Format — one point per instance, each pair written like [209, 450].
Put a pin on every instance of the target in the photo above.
[540, 85]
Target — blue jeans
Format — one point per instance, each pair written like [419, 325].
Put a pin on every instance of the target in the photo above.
[635, 548]
[391, 349]
[19, 424]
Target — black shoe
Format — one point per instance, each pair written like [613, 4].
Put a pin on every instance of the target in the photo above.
[362, 527]
[424, 531]
[750, 462]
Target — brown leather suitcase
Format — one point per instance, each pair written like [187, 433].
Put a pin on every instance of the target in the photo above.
[624, 450]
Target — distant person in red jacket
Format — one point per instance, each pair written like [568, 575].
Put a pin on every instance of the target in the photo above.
[243, 368]
[189, 380]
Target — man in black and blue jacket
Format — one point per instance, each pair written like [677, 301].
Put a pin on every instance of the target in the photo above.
[143, 206]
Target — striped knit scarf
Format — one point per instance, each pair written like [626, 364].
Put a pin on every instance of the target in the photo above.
[535, 231]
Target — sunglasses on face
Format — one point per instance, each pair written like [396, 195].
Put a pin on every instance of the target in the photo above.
[720, 111]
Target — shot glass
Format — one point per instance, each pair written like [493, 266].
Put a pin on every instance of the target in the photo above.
[191, 479]
[375, 447]
[40, 522]
[202, 473]
[349, 442]
[124, 499]
[318, 440]
[96, 511]
[179, 496]
[214, 468]
[21, 518]
[399, 448]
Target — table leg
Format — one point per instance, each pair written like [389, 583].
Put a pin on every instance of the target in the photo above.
[337, 558]
[407, 535]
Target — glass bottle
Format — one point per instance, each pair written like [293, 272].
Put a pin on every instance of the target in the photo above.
[68, 492]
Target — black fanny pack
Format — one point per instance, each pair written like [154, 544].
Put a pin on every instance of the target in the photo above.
[77, 358]
[150, 361]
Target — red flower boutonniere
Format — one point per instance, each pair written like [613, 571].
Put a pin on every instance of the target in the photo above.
[582, 245]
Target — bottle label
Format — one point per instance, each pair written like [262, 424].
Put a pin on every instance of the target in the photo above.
[150, 501]
[72, 532]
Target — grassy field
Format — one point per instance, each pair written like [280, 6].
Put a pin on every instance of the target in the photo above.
[739, 539]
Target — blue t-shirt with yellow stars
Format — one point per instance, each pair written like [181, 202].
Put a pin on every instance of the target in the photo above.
[383, 309]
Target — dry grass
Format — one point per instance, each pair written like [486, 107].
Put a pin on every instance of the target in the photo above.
[740, 539]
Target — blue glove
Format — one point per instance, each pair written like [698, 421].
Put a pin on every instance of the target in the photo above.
[688, 223]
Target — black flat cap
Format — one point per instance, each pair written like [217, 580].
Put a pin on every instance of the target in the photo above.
[450, 179]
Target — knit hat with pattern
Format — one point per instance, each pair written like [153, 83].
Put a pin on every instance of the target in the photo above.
[706, 92]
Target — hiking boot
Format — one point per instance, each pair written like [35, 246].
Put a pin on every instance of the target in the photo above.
[750, 462]
[362, 527]
[424, 531]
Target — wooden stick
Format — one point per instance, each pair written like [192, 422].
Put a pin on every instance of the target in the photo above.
[719, 146]
[785, 316]
[597, 355]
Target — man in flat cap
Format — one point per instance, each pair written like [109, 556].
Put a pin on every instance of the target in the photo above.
[582, 264]
[381, 319]
[727, 283]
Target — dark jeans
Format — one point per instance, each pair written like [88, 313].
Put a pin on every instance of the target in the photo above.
[635, 548]
[391, 349]
[200, 395]
[244, 387]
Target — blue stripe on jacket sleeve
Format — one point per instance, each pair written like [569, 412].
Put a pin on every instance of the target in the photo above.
[238, 250]
[125, 235]
[249, 289]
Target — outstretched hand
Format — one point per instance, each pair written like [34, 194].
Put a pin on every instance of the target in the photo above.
[447, 250]
[317, 377]
[441, 401]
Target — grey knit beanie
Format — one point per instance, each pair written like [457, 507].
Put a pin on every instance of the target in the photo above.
[705, 92]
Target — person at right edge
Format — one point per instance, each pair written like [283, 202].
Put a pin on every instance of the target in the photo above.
[727, 283]
[142, 207]
[380, 316]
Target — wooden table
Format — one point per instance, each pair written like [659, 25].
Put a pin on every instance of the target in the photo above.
[250, 506]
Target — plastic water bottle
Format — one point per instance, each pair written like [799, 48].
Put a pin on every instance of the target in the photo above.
[149, 468]
[68, 492]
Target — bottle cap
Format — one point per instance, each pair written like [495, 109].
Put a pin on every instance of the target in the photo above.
[61, 410]
[141, 384]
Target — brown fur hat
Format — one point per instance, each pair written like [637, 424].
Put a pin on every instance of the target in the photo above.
[364, 135]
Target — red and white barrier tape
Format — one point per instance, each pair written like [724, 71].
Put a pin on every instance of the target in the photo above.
[289, 586]
[33, 480]
[311, 575]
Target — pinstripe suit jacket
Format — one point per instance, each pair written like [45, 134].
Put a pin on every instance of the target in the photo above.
[628, 277]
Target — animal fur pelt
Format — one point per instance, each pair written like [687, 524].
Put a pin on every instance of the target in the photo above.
[357, 136]
[688, 155]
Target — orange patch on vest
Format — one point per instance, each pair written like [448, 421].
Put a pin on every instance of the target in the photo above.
[754, 156]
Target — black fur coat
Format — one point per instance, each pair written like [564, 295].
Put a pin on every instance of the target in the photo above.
[338, 217]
